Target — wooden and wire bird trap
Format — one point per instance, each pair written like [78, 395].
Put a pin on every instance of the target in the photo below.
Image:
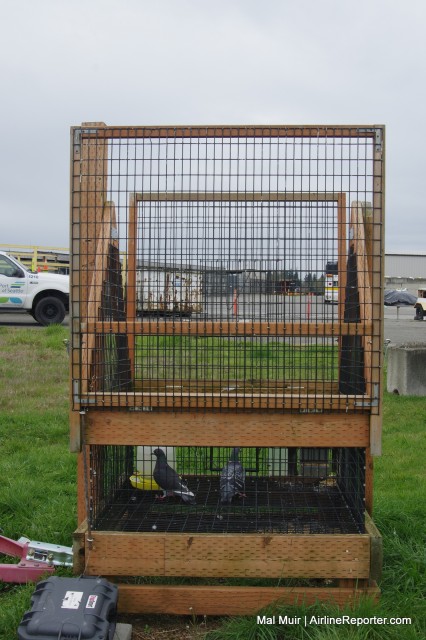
[226, 362]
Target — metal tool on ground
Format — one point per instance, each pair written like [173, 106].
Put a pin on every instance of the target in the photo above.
[36, 559]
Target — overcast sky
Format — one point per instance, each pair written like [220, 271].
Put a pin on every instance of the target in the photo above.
[149, 62]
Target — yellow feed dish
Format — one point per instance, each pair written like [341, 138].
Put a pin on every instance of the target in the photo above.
[146, 483]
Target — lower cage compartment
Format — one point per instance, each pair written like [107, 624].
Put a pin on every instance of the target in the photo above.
[269, 505]
[298, 515]
[281, 490]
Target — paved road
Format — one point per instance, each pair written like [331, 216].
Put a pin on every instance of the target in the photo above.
[400, 326]
[13, 319]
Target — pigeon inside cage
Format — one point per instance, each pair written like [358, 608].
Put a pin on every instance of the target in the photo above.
[227, 490]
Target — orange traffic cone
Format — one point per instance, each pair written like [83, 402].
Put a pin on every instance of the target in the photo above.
[235, 303]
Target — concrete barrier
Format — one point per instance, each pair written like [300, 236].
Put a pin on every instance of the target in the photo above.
[407, 369]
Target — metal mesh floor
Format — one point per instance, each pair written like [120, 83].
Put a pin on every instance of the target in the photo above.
[270, 505]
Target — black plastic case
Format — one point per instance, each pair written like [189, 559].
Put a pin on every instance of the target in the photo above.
[71, 609]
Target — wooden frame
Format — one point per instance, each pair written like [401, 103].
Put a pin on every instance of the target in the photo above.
[212, 429]
[353, 560]
[99, 131]
[226, 328]
[214, 600]
[338, 198]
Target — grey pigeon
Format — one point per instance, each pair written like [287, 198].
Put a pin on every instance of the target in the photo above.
[232, 478]
[168, 479]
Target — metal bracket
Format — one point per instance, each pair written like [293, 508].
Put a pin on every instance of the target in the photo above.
[379, 140]
[78, 133]
[374, 399]
[89, 132]
[77, 398]
[378, 137]
[87, 401]
[77, 140]
[75, 391]
[366, 403]
[55, 554]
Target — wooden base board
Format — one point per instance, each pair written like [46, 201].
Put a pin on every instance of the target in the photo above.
[213, 601]
[170, 555]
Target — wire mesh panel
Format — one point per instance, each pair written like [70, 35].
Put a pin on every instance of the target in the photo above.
[226, 301]
[278, 490]
[218, 294]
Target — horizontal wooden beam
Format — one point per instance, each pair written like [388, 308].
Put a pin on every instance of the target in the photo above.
[226, 429]
[229, 387]
[240, 196]
[326, 556]
[235, 401]
[224, 329]
[229, 131]
[200, 600]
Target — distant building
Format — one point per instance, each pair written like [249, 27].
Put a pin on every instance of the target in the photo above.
[405, 270]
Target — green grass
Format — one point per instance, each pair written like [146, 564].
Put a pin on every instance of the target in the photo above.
[38, 493]
[37, 474]
[32, 367]
[250, 359]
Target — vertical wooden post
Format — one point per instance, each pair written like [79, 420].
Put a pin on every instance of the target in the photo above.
[88, 194]
[131, 275]
[377, 272]
[342, 251]
[369, 231]
[94, 171]
[369, 461]
[81, 498]
[364, 286]
[75, 235]
[369, 475]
